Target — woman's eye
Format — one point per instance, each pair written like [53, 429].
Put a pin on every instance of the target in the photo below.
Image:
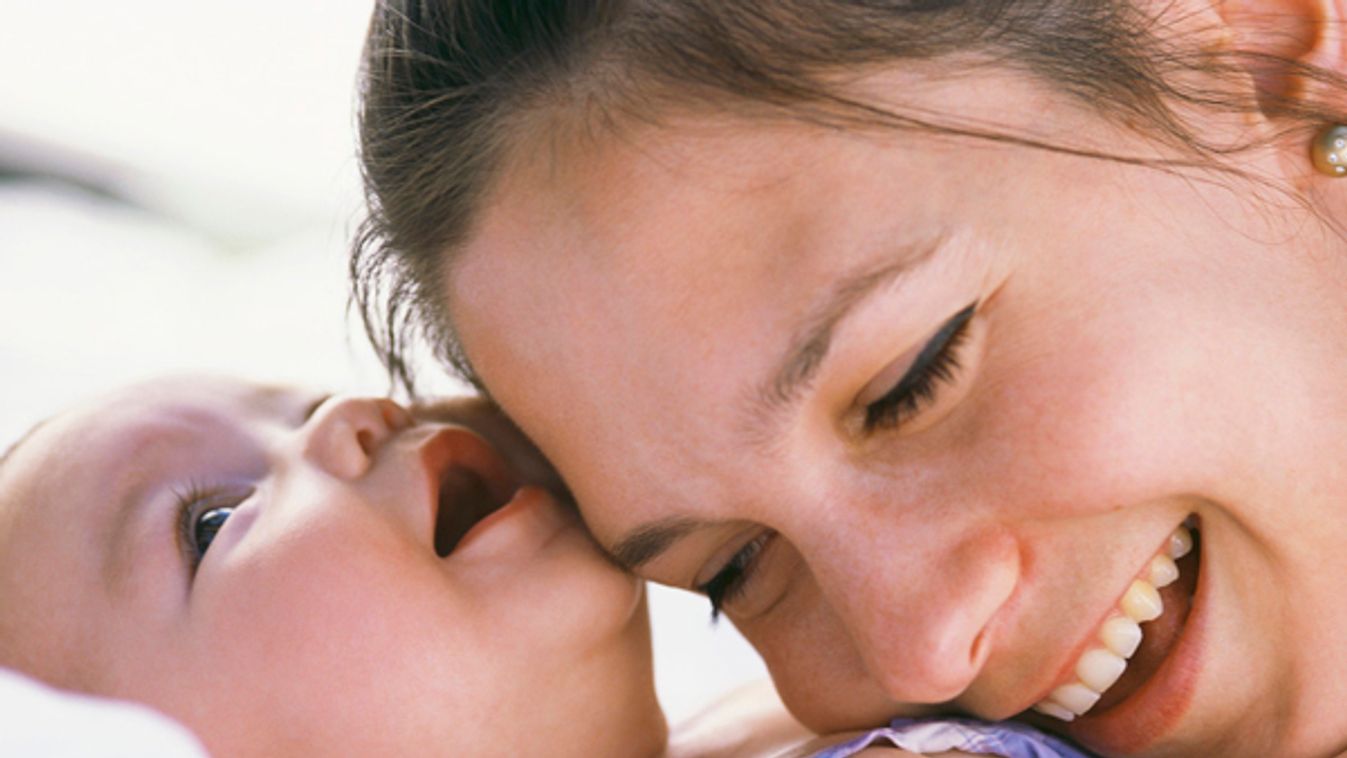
[937, 362]
[729, 582]
[202, 514]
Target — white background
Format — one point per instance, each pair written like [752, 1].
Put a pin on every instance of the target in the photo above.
[220, 137]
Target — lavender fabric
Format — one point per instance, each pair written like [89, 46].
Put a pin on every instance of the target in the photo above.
[932, 735]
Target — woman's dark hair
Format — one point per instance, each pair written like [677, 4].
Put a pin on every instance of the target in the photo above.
[449, 87]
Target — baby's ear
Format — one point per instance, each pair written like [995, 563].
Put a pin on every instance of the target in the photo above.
[1283, 37]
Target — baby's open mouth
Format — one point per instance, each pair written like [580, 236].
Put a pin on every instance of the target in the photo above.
[468, 480]
[1135, 639]
[464, 500]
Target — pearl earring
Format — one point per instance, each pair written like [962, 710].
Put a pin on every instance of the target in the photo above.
[1329, 151]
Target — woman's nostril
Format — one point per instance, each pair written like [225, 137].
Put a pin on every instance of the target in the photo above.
[366, 440]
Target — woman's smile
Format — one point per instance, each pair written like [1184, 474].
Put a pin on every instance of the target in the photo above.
[1131, 647]
[1124, 653]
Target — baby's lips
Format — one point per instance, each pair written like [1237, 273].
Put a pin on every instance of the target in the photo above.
[518, 529]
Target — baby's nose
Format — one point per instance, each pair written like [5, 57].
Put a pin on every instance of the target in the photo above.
[345, 433]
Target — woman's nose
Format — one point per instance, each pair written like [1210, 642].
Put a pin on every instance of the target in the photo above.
[922, 617]
[345, 434]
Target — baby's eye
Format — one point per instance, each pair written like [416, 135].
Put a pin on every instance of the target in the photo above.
[207, 526]
[202, 514]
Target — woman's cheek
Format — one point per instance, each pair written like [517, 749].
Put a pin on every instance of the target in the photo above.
[1099, 413]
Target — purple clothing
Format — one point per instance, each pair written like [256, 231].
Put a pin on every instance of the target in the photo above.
[1008, 739]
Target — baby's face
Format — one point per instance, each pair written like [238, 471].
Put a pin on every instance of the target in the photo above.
[286, 573]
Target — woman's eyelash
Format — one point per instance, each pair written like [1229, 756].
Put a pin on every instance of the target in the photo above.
[730, 580]
[198, 500]
[938, 362]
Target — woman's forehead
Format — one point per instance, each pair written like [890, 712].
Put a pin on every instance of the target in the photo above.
[738, 145]
[756, 226]
[722, 163]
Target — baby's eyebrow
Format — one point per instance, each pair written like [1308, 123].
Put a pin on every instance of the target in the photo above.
[122, 551]
[133, 481]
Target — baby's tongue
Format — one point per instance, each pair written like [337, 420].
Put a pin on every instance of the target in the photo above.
[1158, 638]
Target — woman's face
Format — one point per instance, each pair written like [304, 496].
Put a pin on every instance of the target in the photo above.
[919, 411]
[336, 610]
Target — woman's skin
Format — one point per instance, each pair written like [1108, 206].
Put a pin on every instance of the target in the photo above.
[721, 298]
[322, 620]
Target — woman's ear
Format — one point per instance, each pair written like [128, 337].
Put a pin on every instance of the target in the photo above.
[1283, 35]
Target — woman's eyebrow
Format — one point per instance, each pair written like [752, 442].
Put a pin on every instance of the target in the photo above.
[813, 338]
[800, 362]
[648, 541]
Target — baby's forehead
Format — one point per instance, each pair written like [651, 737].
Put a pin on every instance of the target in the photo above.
[9, 451]
[47, 564]
[70, 458]
[23, 457]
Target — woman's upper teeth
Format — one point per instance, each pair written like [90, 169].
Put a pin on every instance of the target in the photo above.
[1099, 667]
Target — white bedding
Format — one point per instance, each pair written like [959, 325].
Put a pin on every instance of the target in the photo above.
[37, 720]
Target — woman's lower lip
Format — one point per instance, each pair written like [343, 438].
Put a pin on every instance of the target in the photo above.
[1147, 714]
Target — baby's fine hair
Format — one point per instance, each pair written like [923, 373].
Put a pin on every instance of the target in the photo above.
[450, 87]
